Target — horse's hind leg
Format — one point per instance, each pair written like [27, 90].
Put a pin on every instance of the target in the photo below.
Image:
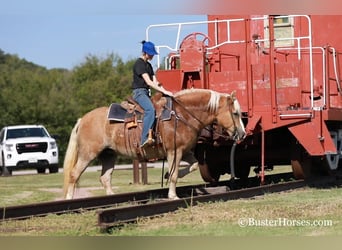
[193, 164]
[74, 177]
[107, 158]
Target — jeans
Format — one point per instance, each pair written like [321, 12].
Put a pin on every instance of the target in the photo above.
[141, 96]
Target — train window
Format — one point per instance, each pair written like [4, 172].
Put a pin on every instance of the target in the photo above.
[281, 21]
[283, 31]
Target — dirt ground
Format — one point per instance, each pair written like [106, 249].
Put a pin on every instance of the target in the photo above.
[79, 192]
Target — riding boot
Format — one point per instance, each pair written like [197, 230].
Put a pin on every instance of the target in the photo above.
[150, 137]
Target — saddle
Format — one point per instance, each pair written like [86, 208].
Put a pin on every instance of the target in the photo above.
[131, 114]
[128, 112]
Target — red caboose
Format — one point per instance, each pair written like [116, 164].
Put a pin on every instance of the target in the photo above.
[287, 74]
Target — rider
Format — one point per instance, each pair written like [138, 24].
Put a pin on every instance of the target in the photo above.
[143, 80]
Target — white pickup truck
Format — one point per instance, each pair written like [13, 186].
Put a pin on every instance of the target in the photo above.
[27, 147]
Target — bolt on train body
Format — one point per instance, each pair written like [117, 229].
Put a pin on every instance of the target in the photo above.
[286, 71]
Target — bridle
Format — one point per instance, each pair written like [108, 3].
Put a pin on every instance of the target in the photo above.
[234, 136]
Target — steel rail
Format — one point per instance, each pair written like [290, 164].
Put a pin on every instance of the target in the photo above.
[117, 216]
[76, 205]
[91, 203]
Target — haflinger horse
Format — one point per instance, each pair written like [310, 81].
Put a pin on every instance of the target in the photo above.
[95, 136]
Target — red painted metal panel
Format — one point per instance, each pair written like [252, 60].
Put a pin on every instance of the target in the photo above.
[171, 79]
[279, 83]
[314, 137]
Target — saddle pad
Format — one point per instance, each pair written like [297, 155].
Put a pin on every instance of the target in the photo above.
[119, 114]
[166, 113]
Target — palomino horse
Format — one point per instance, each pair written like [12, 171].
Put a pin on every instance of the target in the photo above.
[193, 109]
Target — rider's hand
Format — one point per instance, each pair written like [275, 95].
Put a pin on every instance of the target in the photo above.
[163, 90]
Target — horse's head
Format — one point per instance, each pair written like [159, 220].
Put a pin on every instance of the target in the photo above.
[229, 116]
[222, 108]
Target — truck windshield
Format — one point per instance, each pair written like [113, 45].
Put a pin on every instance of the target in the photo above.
[26, 132]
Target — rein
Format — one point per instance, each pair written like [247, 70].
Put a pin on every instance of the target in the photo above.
[179, 118]
[191, 114]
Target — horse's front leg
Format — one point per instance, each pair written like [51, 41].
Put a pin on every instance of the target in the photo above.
[173, 162]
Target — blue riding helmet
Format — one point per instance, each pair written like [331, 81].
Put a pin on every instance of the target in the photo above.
[148, 48]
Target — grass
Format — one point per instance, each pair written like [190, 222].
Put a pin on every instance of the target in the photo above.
[286, 214]
[25, 189]
[293, 211]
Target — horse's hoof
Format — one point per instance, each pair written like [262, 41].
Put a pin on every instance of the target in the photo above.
[193, 167]
[173, 197]
[68, 197]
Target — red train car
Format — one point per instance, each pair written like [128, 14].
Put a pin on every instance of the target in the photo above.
[286, 71]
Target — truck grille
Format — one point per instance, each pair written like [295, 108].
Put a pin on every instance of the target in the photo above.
[31, 147]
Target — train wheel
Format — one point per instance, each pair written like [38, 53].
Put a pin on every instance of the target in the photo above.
[322, 166]
[306, 166]
[242, 172]
[300, 169]
[300, 161]
[207, 175]
[313, 166]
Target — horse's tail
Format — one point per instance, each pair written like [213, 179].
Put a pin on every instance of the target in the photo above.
[70, 156]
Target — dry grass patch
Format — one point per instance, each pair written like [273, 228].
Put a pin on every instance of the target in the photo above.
[293, 209]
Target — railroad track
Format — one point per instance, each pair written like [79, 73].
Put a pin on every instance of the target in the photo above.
[128, 207]
[91, 203]
[108, 218]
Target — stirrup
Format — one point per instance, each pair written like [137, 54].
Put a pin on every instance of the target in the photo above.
[149, 141]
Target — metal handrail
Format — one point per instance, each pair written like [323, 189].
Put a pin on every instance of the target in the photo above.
[230, 40]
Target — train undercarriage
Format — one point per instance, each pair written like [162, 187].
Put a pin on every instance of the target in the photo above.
[280, 147]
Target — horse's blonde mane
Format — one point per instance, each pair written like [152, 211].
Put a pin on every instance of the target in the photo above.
[213, 103]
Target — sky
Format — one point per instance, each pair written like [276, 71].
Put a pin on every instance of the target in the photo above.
[61, 33]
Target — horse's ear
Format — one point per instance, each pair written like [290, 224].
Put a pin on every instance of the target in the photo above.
[233, 95]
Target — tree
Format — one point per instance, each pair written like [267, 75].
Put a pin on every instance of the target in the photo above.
[99, 82]
[56, 98]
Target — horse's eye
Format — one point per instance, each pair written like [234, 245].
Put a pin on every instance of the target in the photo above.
[236, 114]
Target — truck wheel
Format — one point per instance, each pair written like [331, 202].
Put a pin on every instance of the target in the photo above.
[5, 171]
[53, 169]
[41, 170]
